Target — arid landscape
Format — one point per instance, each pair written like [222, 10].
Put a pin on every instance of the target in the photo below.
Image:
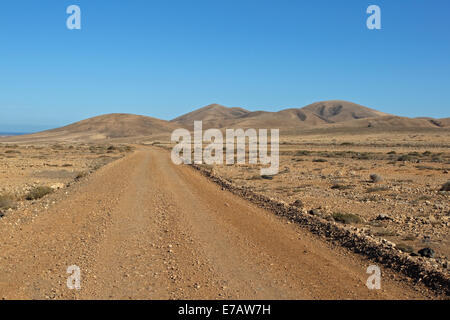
[103, 194]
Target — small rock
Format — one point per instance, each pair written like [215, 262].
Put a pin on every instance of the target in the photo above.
[383, 216]
[315, 212]
[297, 203]
[57, 186]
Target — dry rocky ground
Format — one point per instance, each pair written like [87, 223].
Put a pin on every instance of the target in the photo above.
[388, 186]
[28, 172]
[144, 228]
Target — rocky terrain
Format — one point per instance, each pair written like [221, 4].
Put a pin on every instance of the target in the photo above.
[394, 192]
[29, 172]
[374, 183]
[144, 228]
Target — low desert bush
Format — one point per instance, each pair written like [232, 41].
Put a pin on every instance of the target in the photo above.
[405, 247]
[302, 153]
[404, 157]
[363, 156]
[414, 154]
[81, 175]
[347, 218]
[375, 178]
[38, 192]
[446, 186]
[7, 201]
[377, 189]
[409, 237]
[341, 186]
[384, 233]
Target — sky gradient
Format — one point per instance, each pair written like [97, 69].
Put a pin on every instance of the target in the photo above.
[166, 58]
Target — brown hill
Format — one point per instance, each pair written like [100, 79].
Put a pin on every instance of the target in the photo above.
[213, 115]
[444, 122]
[327, 114]
[320, 113]
[280, 119]
[109, 126]
[392, 122]
[339, 111]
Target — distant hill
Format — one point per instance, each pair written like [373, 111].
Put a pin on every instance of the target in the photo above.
[334, 114]
[393, 122]
[213, 116]
[104, 127]
[319, 113]
[339, 111]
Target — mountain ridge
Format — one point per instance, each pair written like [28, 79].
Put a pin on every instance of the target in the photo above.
[323, 114]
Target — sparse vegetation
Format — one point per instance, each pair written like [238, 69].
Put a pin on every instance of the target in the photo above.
[404, 157]
[38, 192]
[363, 156]
[377, 189]
[302, 153]
[375, 178]
[346, 218]
[405, 247]
[409, 237]
[12, 151]
[207, 166]
[7, 201]
[414, 154]
[384, 233]
[446, 186]
[341, 187]
[81, 175]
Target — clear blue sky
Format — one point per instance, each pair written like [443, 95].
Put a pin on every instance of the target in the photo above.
[164, 58]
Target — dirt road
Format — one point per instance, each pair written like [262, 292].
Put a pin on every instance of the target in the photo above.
[143, 228]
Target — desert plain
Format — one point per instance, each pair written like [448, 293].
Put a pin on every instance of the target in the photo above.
[111, 176]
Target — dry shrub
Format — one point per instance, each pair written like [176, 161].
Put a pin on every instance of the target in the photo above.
[38, 192]
[346, 218]
[7, 201]
[446, 186]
